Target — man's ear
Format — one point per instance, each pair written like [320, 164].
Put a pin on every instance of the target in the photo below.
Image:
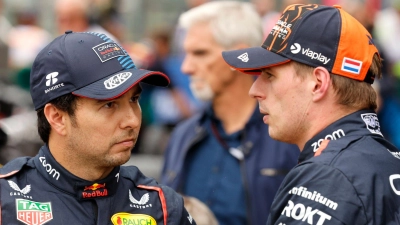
[322, 80]
[56, 118]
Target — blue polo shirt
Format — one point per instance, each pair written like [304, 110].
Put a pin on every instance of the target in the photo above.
[213, 174]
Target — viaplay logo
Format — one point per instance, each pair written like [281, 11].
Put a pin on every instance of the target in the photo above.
[296, 48]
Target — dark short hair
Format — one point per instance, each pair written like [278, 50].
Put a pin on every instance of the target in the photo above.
[66, 103]
[351, 93]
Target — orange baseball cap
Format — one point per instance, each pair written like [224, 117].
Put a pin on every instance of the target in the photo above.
[314, 35]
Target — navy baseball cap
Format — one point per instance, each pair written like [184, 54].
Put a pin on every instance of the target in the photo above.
[314, 35]
[89, 65]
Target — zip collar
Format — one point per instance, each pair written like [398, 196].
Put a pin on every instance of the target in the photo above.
[59, 177]
[360, 123]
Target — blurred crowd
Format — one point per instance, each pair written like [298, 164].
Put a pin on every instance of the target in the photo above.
[22, 37]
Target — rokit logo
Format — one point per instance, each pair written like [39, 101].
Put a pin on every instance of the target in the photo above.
[52, 79]
[334, 136]
[296, 47]
[301, 212]
[49, 169]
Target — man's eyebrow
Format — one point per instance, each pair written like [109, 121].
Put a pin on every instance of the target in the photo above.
[138, 91]
[266, 70]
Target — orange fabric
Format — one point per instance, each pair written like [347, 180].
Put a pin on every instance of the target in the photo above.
[322, 147]
[162, 199]
[355, 44]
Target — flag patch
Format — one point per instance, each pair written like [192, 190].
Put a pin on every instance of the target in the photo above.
[351, 65]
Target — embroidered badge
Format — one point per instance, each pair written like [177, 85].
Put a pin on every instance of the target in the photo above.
[33, 213]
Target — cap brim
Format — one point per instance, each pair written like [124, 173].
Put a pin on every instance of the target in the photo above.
[252, 60]
[119, 83]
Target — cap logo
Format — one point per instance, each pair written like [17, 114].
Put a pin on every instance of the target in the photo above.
[295, 48]
[51, 78]
[108, 50]
[117, 80]
[351, 65]
[244, 57]
[277, 39]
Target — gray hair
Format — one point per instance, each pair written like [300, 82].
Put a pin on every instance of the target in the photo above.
[231, 22]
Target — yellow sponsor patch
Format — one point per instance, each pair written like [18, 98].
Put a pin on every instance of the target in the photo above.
[123, 218]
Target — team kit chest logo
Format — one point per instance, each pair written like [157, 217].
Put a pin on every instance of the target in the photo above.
[95, 190]
[108, 50]
[307, 214]
[142, 203]
[20, 192]
[123, 218]
[33, 213]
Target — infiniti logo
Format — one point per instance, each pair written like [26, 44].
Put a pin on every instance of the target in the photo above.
[117, 80]
[51, 78]
[295, 48]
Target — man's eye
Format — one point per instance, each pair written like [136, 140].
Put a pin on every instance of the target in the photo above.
[109, 105]
[135, 99]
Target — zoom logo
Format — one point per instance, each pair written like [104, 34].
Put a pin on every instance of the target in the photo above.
[49, 169]
[295, 48]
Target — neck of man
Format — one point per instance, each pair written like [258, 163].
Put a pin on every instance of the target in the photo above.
[73, 163]
[233, 106]
[321, 117]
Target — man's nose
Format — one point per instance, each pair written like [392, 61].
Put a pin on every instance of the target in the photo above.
[187, 66]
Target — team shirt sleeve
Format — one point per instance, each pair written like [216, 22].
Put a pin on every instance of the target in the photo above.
[187, 219]
[317, 194]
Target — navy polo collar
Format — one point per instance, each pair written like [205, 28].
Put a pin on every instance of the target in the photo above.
[59, 177]
[360, 123]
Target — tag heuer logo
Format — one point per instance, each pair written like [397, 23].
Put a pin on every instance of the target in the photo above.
[244, 57]
[33, 213]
